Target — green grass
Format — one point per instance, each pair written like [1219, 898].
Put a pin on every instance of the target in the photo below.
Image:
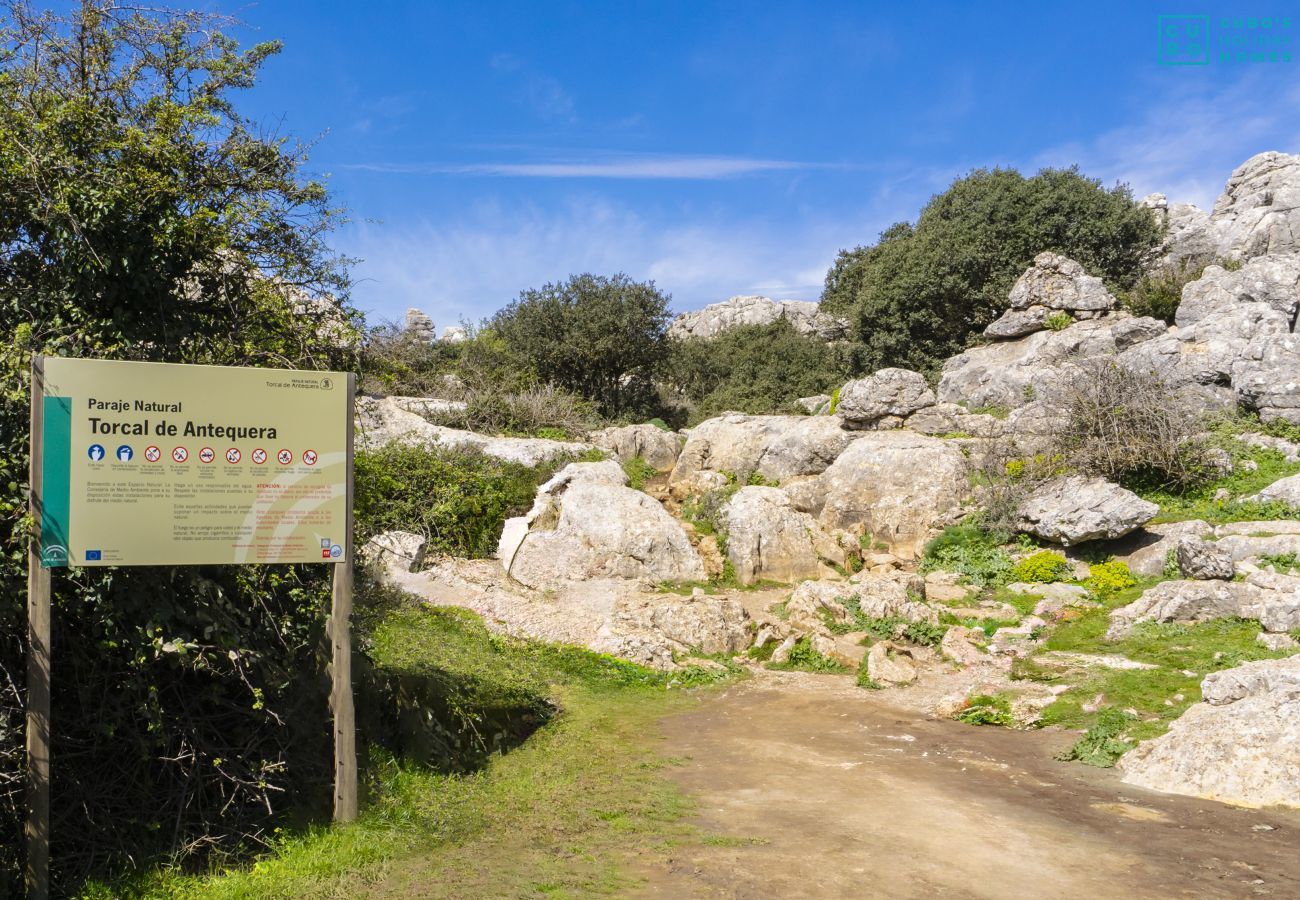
[1281, 561]
[570, 811]
[971, 552]
[987, 709]
[803, 658]
[1199, 503]
[638, 472]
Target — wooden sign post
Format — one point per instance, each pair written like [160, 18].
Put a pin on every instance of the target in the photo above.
[279, 492]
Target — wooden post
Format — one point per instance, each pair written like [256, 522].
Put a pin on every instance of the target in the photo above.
[340, 634]
[37, 830]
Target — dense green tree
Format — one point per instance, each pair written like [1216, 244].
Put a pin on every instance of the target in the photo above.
[142, 217]
[604, 338]
[755, 369]
[921, 292]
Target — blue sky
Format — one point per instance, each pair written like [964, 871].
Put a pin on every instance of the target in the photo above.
[720, 148]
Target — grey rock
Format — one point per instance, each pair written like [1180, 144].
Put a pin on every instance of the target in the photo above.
[1075, 509]
[1276, 642]
[888, 392]
[782, 652]
[1146, 550]
[768, 539]
[1289, 449]
[951, 419]
[816, 405]
[964, 646]
[1258, 212]
[1057, 282]
[1016, 323]
[657, 447]
[1272, 599]
[803, 315]
[777, 447]
[893, 486]
[401, 551]
[1284, 490]
[1203, 561]
[419, 326]
[888, 665]
[454, 334]
[1250, 679]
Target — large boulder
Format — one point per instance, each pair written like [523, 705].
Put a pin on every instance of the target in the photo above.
[1204, 561]
[1014, 373]
[1284, 490]
[1258, 212]
[586, 523]
[768, 539]
[888, 392]
[897, 599]
[1146, 550]
[803, 315]
[776, 447]
[893, 486]
[1075, 508]
[698, 624]
[1272, 599]
[950, 419]
[382, 421]
[656, 446]
[1241, 746]
[1053, 283]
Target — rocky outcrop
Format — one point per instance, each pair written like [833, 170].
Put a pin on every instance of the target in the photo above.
[656, 446]
[893, 486]
[768, 539]
[1258, 212]
[382, 421]
[803, 315]
[1284, 490]
[1075, 509]
[890, 664]
[1053, 283]
[949, 419]
[1146, 550]
[401, 551]
[1011, 374]
[899, 599]
[776, 447]
[889, 392]
[586, 524]
[1203, 561]
[1272, 599]
[419, 327]
[1241, 746]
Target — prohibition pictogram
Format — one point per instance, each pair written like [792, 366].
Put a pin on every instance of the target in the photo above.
[259, 456]
[309, 457]
[207, 455]
[233, 455]
[152, 453]
[180, 454]
[284, 457]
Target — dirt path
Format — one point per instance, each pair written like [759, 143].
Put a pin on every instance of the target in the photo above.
[820, 789]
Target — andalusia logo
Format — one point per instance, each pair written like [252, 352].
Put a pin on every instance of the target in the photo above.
[54, 554]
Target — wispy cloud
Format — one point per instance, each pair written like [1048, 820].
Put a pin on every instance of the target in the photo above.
[633, 167]
[543, 94]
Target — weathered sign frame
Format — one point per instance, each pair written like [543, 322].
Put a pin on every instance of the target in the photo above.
[338, 629]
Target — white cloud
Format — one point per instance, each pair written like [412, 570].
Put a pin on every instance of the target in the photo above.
[1192, 134]
[629, 167]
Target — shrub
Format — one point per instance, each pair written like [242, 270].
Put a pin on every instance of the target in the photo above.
[754, 369]
[969, 551]
[532, 410]
[603, 338]
[639, 472]
[921, 292]
[986, 709]
[1057, 321]
[1105, 742]
[1130, 426]
[458, 499]
[1157, 294]
[1044, 567]
[804, 658]
[1109, 577]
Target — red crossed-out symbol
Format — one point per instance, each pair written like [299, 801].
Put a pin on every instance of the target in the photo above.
[180, 454]
[152, 453]
[284, 457]
[259, 456]
[232, 455]
[309, 457]
[207, 454]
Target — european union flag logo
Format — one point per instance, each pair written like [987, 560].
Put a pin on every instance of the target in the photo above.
[93, 555]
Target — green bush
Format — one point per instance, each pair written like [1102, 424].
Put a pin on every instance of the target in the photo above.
[1157, 294]
[1043, 567]
[1109, 577]
[971, 552]
[1057, 321]
[1105, 742]
[458, 499]
[805, 659]
[986, 709]
[638, 472]
[922, 291]
[754, 369]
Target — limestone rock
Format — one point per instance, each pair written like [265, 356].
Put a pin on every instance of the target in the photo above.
[951, 419]
[1272, 599]
[1284, 490]
[777, 447]
[384, 421]
[1241, 747]
[1203, 561]
[1016, 323]
[816, 405]
[886, 667]
[656, 446]
[803, 315]
[454, 334]
[585, 523]
[964, 646]
[1012, 373]
[768, 539]
[699, 623]
[1146, 550]
[1258, 212]
[419, 326]
[1075, 509]
[396, 550]
[876, 597]
[888, 392]
[893, 486]
[1060, 283]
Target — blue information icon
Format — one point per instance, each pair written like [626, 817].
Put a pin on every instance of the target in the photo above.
[96, 452]
[124, 453]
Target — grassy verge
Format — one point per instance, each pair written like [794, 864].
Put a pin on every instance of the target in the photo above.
[564, 813]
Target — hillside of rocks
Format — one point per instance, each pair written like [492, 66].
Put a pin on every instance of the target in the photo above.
[831, 539]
